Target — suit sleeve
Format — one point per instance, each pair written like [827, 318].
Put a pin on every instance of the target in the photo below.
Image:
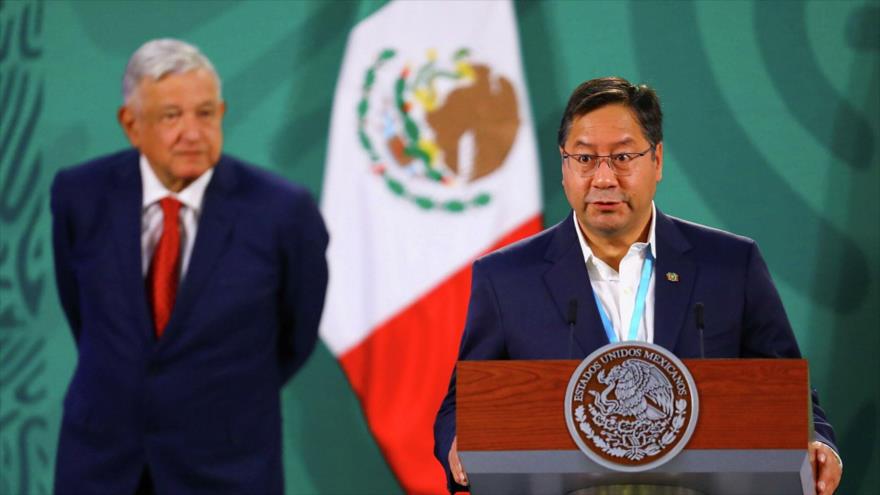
[304, 287]
[62, 240]
[482, 339]
[768, 333]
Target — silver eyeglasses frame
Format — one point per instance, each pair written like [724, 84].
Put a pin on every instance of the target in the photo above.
[620, 163]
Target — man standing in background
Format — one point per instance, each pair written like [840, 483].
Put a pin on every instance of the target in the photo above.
[193, 284]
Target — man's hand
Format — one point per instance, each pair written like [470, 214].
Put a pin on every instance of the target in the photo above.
[826, 468]
[457, 469]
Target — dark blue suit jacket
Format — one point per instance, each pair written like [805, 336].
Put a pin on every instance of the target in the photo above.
[520, 297]
[200, 407]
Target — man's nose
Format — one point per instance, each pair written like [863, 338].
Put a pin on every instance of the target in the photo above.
[191, 128]
[604, 176]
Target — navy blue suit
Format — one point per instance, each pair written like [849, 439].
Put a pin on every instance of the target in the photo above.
[520, 297]
[200, 407]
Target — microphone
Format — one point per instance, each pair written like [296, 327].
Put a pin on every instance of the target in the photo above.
[572, 319]
[701, 324]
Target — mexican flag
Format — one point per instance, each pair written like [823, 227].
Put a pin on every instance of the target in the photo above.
[432, 162]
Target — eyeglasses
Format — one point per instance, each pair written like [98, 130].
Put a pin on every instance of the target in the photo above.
[586, 165]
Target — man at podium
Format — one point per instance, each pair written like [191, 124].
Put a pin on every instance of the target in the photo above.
[617, 268]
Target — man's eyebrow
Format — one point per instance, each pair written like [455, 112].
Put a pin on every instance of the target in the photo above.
[580, 143]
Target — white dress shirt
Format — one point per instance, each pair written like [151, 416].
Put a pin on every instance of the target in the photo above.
[152, 217]
[617, 290]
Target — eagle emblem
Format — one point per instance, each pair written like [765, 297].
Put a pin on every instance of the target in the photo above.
[631, 406]
[640, 389]
[433, 130]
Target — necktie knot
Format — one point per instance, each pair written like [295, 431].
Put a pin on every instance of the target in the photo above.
[170, 206]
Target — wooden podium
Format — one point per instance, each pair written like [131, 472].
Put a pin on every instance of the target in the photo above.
[751, 436]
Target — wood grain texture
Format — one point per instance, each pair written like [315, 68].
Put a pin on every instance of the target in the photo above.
[744, 404]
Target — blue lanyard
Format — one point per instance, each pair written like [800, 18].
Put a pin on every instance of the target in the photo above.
[638, 309]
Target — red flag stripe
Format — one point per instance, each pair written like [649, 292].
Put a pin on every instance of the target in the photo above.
[400, 374]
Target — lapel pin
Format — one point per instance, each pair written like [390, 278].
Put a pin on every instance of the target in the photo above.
[672, 276]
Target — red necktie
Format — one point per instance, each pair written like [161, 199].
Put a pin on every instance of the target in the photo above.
[165, 266]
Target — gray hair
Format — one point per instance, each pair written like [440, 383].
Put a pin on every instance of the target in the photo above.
[157, 58]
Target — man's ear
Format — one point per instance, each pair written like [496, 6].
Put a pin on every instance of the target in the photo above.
[561, 166]
[658, 156]
[126, 117]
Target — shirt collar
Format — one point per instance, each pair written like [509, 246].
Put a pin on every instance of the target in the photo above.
[652, 239]
[191, 196]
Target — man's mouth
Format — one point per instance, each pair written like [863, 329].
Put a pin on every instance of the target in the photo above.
[190, 153]
[605, 205]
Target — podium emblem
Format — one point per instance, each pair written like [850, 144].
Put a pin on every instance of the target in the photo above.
[631, 406]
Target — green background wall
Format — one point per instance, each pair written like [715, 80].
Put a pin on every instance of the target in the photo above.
[772, 131]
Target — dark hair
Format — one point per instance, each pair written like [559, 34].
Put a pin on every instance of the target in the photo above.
[597, 93]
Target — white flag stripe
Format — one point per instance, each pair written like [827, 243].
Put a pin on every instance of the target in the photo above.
[386, 252]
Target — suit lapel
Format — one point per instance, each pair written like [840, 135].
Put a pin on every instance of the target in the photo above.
[126, 198]
[675, 275]
[567, 280]
[212, 238]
